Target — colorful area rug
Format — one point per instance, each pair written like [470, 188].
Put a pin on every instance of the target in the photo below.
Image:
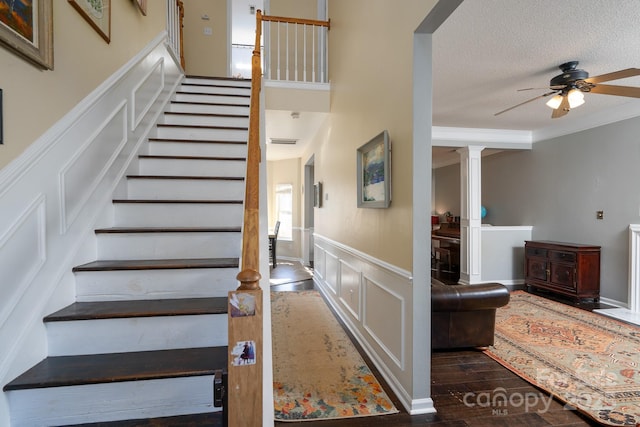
[317, 372]
[586, 360]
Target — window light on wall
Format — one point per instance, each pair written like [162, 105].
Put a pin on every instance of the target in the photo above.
[284, 211]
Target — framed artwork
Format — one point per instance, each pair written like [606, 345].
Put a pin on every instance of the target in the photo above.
[142, 5]
[26, 27]
[374, 172]
[97, 13]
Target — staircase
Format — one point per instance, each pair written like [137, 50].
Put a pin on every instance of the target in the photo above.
[148, 329]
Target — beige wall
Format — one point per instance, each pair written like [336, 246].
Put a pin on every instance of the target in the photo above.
[370, 60]
[206, 55]
[34, 100]
[286, 172]
[304, 9]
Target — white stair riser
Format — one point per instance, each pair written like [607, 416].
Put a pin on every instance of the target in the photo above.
[177, 215]
[168, 245]
[212, 99]
[215, 90]
[218, 82]
[112, 401]
[185, 148]
[203, 134]
[195, 120]
[99, 336]
[178, 107]
[192, 167]
[185, 189]
[155, 284]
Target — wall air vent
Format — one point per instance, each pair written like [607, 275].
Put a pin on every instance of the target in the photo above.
[284, 141]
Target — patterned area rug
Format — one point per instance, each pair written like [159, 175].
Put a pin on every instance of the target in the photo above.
[317, 372]
[586, 360]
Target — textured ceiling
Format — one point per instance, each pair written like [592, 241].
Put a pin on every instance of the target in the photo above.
[488, 49]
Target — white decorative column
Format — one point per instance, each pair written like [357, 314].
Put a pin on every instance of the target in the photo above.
[470, 219]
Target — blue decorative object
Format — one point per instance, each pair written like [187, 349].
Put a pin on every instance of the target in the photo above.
[483, 211]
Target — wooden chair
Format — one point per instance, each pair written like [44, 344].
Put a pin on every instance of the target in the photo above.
[273, 238]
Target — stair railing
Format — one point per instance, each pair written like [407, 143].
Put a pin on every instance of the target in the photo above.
[244, 387]
[245, 367]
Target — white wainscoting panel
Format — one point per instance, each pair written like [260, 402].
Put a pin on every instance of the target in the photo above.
[373, 298]
[22, 254]
[59, 189]
[386, 327]
[84, 171]
[350, 284]
[331, 266]
[145, 93]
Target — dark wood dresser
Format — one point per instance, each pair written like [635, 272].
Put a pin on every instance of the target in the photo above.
[570, 269]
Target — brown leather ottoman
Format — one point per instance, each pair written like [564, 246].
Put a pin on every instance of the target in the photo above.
[464, 315]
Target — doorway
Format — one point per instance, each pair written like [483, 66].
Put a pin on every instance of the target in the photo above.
[307, 235]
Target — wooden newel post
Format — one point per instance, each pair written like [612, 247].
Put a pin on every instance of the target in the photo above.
[249, 280]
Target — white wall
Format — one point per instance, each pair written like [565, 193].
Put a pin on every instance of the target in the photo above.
[56, 192]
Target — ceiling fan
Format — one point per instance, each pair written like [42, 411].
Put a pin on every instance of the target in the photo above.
[569, 87]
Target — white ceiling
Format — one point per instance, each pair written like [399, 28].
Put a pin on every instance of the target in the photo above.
[488, 49]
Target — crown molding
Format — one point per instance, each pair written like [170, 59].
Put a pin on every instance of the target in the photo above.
[491, 138]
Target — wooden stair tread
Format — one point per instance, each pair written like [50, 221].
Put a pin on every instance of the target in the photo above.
[218, 104]
[205, 84]
[197, 141]
[170, 125]
[182, 113]
[177, 201]
[139, 308]
[230, 95]
[126, 230]
[157, 264]
[62, 371]
[214, 78]
[149, 156]
[176, 177]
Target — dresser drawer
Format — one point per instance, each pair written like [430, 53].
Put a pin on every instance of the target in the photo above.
[562, 256]
[537, 252]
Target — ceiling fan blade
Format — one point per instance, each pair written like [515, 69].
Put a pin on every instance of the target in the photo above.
[562, 110]
[622, 74]
[526, 102]
[556, 87]
[633, 92]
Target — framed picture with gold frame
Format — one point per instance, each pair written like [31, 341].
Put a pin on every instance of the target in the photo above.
[26, 28]
[97, 13]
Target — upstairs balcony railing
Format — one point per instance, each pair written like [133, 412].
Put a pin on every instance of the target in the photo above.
[295, 50]
[175, 18]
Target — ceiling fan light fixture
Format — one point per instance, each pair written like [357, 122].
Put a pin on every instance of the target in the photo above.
[575, 98]
[555, 102]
